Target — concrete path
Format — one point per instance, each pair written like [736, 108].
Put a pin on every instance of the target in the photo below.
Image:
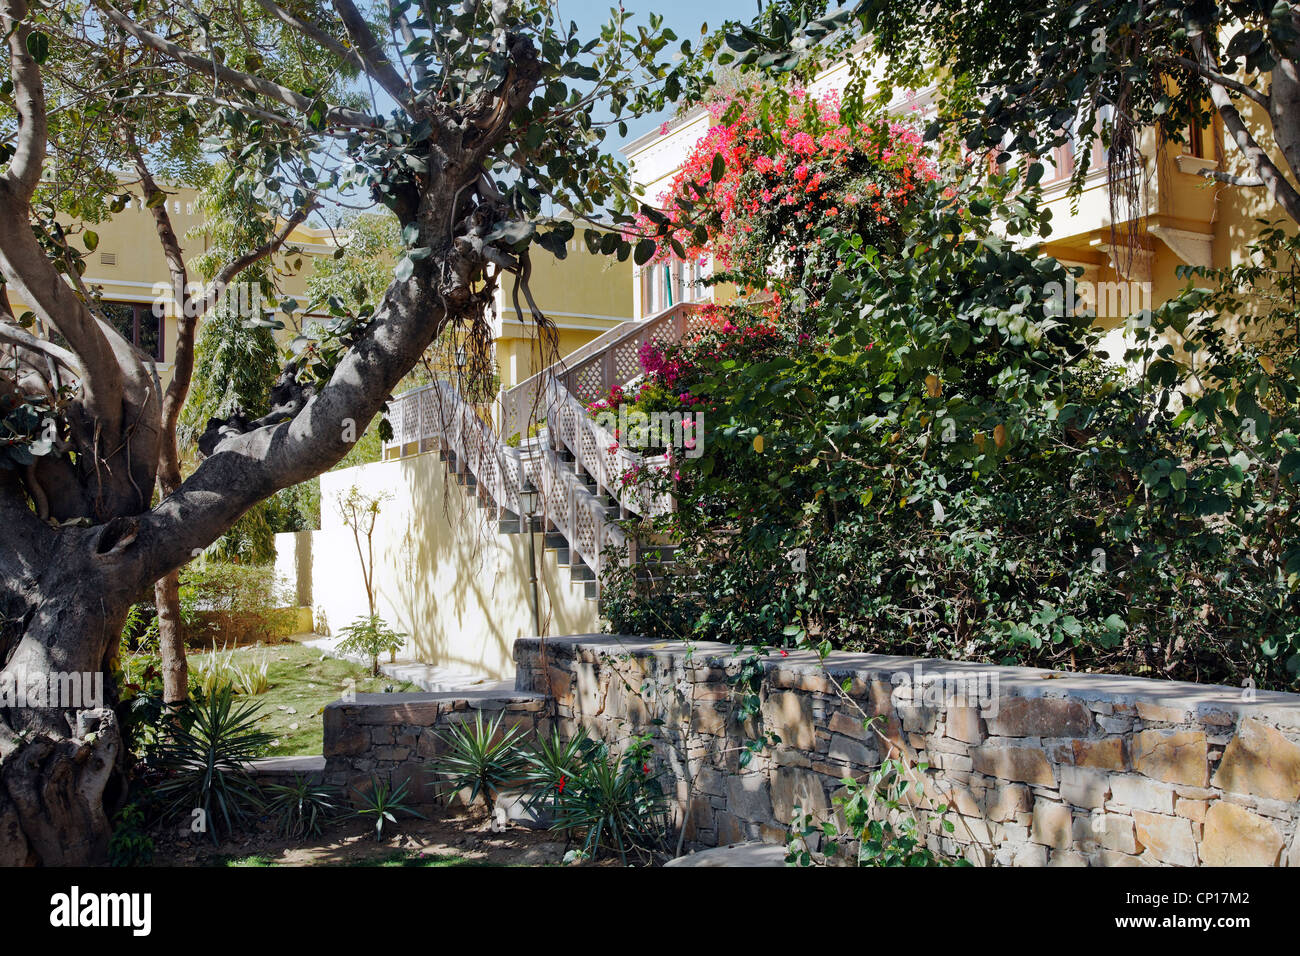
[737, 854]
[424, 676]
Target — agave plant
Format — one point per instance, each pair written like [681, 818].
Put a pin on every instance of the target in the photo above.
[481, 757]
[206, 763]
[382, 802]
[552, 764]
[302, 808]
[617, 803]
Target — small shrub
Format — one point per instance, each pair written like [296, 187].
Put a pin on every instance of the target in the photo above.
[205, 763]
[214, 672]
[370, 636]
[302, 808]
[481, 757]
[552, 763]
[130, 845]
[617, 803]
[251, 677]
[382, 802]
[874, 823]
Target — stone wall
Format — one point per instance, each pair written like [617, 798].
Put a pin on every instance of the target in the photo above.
[396, 737]
[1044, 769]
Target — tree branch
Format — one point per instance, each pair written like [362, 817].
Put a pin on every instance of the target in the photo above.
[24, 339]
[1249, 182]
[314, 32]
[1214, 76]
[376, 63]
[337, 115]
[1283, 193]
[29, 98]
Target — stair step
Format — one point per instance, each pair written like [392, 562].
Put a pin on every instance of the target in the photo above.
[591, 590]
[579, 571]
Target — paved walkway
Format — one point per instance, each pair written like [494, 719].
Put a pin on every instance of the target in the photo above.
[424, 676]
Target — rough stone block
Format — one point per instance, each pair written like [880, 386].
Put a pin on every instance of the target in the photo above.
[848, 750]
[1139, 793]
[789, 714]
[1003, 803]
[1236, 837]
[793, 787]
[1029, 854]
[748, 797]
[1067, 858]
[1111, 831]
[1022, 764]
[1083, 787]
[1052, 824]
[1163, 713]
[1261, 761]
[963, 723]
[1040, 717]
[1174, 756]
[849, 723]
[346, 740]
[1168, 839]
[1104, 754]
[1193, 810]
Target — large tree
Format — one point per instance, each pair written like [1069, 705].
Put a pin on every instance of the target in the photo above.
[465, 119]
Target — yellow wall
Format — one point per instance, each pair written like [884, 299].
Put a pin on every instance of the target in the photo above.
[582, 294]
[446, 576]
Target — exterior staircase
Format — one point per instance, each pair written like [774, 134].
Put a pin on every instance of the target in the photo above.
[575, 465]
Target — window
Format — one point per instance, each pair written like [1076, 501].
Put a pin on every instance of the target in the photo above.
[137, 323]
[665, 284]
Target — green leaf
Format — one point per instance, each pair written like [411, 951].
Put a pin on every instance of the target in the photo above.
[38, 46]
[645, 250]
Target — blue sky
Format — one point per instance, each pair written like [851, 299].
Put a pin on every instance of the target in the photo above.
[683, 17]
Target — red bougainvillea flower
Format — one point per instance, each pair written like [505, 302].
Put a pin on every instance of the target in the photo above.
[789, 172]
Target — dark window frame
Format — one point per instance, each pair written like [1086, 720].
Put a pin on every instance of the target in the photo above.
[146, 308]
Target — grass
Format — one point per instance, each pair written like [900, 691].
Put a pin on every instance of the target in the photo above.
[302, 681]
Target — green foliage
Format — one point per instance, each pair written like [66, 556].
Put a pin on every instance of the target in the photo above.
[884, 823]
[357, 277]
[302, 808]
[130, 844]
[239, 603]
[945, 468]
[481, 757]
[552, 762]
[370, 635]
[382, 802]
[617, 803]
[204, 764]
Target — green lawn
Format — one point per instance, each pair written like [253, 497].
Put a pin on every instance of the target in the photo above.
[302, 683]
